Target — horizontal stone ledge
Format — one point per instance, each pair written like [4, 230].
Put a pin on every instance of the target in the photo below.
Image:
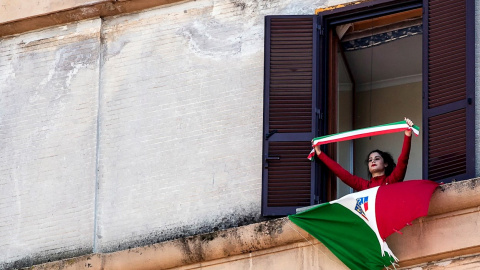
[194, 249]
[455, 196]
[450, 203]
[46, 17]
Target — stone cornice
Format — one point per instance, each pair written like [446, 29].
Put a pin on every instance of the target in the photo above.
[56, 15]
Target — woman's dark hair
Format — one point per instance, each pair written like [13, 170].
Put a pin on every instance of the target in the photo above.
[387, 159]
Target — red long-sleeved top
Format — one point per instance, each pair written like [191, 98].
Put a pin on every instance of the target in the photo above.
[359, 183]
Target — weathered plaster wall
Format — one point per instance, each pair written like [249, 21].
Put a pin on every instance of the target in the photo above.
[134, 129]
[181, 120]
[48, 130]
[180, 127]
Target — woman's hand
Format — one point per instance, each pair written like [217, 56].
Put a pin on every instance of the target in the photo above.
[317, 149]
[408, 132]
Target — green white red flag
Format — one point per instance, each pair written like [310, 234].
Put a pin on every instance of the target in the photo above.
[361, 133]
[355, 227]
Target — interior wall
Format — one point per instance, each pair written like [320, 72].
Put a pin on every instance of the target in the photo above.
[344, 149]
[344, 123]
[386, 105]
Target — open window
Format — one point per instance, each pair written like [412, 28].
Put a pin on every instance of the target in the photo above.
[378, 71]
[362, 65]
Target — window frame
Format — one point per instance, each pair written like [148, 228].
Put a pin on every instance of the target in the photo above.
[327, 20]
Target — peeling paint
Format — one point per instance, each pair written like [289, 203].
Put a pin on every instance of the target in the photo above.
[444, 263]
[239, 4]
[212, 38]
[114, 48]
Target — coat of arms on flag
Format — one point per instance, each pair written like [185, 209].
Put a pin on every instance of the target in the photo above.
[362, 206]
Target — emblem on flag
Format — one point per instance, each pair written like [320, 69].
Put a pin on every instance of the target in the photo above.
[358, 207]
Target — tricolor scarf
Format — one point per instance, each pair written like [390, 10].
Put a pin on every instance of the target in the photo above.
[361, 133]
[355, 227]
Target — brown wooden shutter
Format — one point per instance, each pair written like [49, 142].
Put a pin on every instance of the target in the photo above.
[289, 177]
[448, 87]
[289, 113]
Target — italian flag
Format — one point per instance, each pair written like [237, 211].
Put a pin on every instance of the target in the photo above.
[355, 227]
[362, 133]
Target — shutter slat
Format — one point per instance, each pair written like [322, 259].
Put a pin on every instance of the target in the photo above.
[446, 85]
[447, 61]
[451, 77]
[446, 143]
[290, 174]
[445, 54]
[438, 5]
[443, 18]
[447, 34]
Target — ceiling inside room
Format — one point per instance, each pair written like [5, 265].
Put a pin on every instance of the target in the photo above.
[384, 51]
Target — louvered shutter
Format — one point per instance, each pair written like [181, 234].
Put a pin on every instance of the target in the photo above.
[448, 116]
[289, 113]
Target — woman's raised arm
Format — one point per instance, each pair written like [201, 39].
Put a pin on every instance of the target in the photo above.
[351, 180]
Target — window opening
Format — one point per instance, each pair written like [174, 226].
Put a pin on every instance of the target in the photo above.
[379, 80]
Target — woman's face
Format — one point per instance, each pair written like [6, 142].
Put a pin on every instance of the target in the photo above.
[376, 165]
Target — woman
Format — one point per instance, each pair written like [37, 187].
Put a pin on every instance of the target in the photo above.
[382, 169]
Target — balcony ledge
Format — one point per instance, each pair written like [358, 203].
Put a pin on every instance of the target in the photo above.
[450, 230]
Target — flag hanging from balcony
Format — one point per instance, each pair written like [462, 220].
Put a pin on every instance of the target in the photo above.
[362, 133]
[355, 227]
